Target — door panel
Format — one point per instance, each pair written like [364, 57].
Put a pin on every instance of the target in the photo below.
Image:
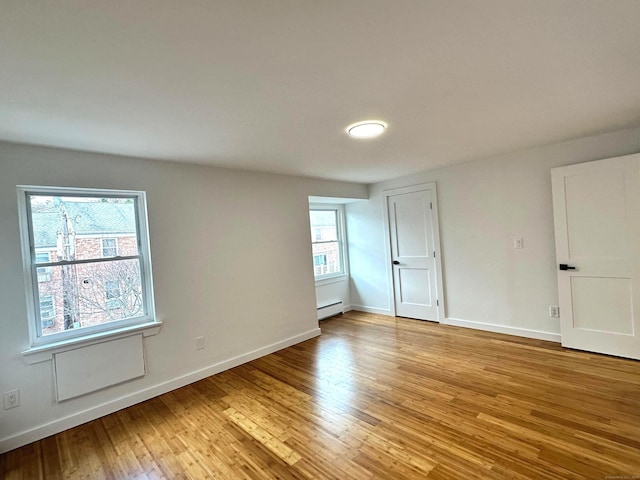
[415, 286]
[597, 225]
[411, 232]
[613, 310]
[411, 237]
[596, 214]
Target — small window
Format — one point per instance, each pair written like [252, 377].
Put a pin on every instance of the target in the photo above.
[112, 294]
[109, 247]
[327, 240]
[319, 260]
[44, 273]
[96, 290]
[47, 311]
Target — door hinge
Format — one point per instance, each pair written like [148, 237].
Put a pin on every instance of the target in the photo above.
[431, 205]
[434, 254]
[437, 302]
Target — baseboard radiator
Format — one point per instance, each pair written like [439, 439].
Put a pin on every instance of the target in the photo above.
[331, 309]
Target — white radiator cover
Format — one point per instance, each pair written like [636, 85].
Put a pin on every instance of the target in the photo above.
[87, 369]
[331, 309]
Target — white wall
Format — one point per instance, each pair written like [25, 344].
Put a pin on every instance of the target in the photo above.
[231, 261]
[483, 207]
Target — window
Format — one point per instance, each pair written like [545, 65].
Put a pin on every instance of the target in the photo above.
[327, 241]
[44, 273]
[109, 247]
[319, 260]
[96, 290]
[47, 311]
[112, 293]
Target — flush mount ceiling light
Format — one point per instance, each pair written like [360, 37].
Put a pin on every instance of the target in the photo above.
[366, 129]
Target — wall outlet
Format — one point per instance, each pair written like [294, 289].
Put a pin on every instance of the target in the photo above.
[518, 243]
[199, 343]
[11, 399]
[554, 312]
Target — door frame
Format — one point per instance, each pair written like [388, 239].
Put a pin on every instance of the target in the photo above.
[431, 186]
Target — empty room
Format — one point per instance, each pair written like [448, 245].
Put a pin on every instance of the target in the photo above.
[320, 240]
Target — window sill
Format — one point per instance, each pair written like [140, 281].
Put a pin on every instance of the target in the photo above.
[43, 353]
[343, 277]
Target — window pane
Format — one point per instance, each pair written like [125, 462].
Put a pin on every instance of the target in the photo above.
[323, 225]
[326, 258]
[73, 228]
[89, 294]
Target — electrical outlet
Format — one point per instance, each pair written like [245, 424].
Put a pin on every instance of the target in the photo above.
[11, 399]
[518, 243]
[199, 343]
[554, 312]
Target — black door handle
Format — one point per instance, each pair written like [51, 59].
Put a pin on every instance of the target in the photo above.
[396, 262]
[564, 266]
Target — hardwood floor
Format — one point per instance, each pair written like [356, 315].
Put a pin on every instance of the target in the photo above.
[373, 397]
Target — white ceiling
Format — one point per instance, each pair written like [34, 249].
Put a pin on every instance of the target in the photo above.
[270, 85]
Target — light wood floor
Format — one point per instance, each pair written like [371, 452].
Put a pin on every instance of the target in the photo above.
[373, 397]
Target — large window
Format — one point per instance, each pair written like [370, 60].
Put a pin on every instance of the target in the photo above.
[327, 241]
[81, 280]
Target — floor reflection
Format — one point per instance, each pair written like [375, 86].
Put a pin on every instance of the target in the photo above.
[334, 383]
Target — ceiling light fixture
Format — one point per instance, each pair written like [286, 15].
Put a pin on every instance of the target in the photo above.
[366, 129]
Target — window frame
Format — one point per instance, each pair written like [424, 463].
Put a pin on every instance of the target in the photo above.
[73, 336]
[341, 240]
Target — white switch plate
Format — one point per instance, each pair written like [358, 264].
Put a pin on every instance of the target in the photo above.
[518, 243]
[199, 343]
[554, 312]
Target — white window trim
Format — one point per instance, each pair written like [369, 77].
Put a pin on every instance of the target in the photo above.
[342, 242]
[42, 353]
[42, 348]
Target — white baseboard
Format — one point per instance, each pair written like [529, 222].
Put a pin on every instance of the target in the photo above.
[491, 327]
[57, 426]
[488, 327]
[378, 311]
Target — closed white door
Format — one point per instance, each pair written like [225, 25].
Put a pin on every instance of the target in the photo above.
[413, 254]
[596, 209]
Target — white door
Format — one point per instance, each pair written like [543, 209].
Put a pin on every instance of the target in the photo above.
[596, 209]
[413, 253]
